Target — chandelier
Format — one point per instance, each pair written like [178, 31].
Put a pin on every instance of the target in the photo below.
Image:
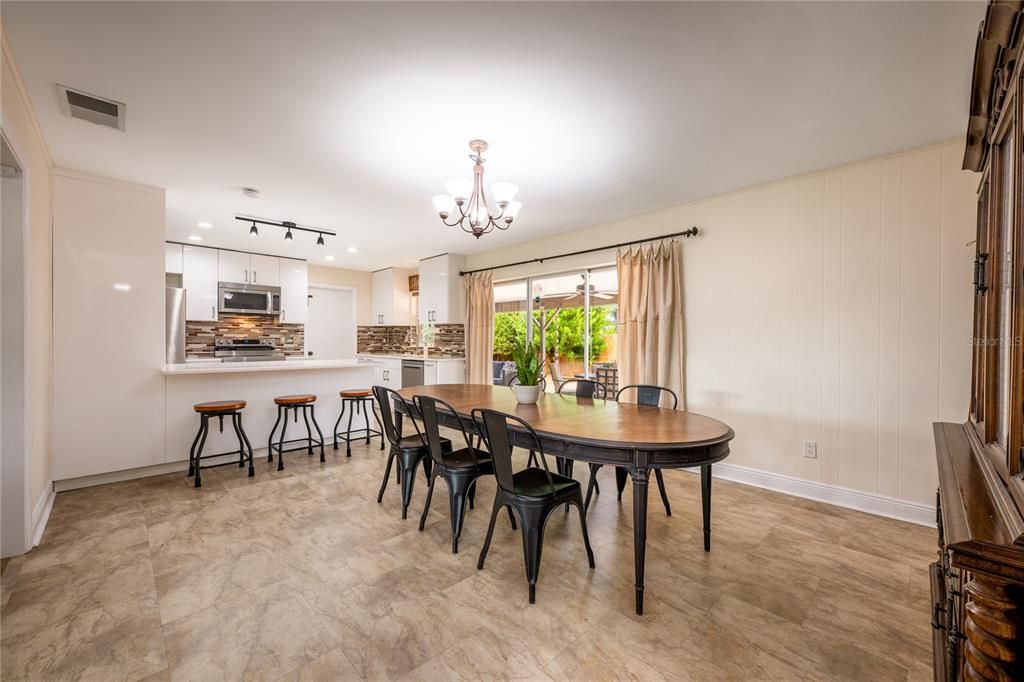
[468, 196]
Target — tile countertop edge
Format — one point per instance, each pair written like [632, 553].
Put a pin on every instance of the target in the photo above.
[391, 356]
[243, 367]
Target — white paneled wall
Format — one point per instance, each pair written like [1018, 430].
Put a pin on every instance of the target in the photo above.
[834, 307]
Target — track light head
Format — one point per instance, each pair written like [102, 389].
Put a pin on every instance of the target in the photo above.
[253, 232]
[320, 240]
[288, 235]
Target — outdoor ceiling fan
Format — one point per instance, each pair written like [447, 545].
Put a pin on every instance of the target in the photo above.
[594, 293]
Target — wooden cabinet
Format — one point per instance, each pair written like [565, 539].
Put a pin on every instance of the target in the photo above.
[173, 259]
[199, 277]
[248, 268]
[264, 270]
[440, 297]
[978, 582]
[294, 291]
[390, 297]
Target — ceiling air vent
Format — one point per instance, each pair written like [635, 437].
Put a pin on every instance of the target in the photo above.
[78, 104]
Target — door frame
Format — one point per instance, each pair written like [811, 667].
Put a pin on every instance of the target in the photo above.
[355, 310]
[16, 501]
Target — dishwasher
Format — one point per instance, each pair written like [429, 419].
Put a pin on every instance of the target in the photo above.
[412, 373]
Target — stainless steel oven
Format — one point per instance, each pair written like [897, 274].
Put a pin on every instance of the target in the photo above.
[251, 299]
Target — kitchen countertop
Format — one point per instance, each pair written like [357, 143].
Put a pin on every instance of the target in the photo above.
[407, 356]
[214, 367]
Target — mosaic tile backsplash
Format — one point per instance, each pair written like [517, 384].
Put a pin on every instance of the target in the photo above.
[201, 337]
[449, 340]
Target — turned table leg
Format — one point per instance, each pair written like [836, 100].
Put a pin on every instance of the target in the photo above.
[640, 479]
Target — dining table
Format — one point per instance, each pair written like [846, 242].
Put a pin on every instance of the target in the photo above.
[638, 438]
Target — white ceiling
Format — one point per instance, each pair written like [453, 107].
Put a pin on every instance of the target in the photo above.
[351, 116]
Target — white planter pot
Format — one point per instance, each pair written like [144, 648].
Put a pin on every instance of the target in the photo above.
[526, 395]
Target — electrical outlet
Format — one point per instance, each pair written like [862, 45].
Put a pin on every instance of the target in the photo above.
[811, 449]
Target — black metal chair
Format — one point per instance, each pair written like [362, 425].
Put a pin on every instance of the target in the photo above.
[459, 468]
[532, 493]
[409, 450]
[649, 395]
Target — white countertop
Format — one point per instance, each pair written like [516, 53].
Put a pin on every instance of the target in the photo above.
[214, 367]
[407, 356]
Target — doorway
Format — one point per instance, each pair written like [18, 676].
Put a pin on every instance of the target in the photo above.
[331, 324]
[15, 534]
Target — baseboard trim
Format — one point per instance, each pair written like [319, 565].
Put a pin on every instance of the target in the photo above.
[41, 514]
[872, 503]
[141, 472]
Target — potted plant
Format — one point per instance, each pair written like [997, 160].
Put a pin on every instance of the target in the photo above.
[528, 370]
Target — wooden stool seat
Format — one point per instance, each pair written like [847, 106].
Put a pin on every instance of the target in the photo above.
[219, 406]
[356, 393]
[297, 399]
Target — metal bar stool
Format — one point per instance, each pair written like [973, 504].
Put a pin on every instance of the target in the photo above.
[219, 409]
[355, 401]
[303, 401]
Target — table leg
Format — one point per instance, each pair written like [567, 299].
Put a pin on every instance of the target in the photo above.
[705, 499]
[640, 477]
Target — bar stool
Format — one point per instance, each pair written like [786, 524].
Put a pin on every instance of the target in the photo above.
[355, 401]
[219, 409]
[303, 401]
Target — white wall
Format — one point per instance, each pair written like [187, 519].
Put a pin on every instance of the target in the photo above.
[109, 345]
[833, 307]
[361, 281]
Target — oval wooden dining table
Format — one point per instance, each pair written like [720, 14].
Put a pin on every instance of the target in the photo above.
[636, 437]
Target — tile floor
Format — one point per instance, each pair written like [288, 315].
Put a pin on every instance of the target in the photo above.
[301, 575]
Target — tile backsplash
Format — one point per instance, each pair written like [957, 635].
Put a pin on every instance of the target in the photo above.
[201, 337]
[449, 340]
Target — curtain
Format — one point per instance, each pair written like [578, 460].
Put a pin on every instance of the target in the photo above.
[479, 316]
[650, 326]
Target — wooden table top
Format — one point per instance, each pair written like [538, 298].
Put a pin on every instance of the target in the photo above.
[604, 423]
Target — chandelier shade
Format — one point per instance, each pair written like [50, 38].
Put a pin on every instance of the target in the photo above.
[467, 195]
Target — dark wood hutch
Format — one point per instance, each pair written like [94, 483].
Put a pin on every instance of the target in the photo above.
[978, 580]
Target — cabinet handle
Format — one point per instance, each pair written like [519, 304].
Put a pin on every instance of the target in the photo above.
[254, 277]
[213, 312]
[282, 314]
[246, 275]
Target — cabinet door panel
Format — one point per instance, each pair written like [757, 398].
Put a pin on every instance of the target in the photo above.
[199, 277]
[233, 267]
[294, 291]
[265, 270]
[173, 258]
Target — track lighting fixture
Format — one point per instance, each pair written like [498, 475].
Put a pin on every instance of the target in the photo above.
[288, 235]
[287, 225]
[253, 232]
[320, 240]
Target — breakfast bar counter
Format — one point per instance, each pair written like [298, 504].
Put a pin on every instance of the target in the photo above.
[257, 383]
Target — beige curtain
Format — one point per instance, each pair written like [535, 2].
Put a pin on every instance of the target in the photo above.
[650, 327]
[479, 316]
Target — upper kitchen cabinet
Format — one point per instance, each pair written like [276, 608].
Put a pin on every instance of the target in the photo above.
[441, 290]
[173, 263]
[294, 291]
[249, 268]
[391, 297]
[199, 277]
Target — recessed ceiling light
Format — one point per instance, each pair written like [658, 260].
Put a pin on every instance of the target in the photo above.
[328, 257]
[122, 286]
[205, 225]
[195, 238]
[352, 249]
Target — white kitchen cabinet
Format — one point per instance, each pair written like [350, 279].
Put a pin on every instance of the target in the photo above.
[173, 259]
[233, 266]
[387, 373]
[265, 270]
[429, 372]
[199, 277]
[451, 372]
[441, 290]
[294, 291]
[390, 297]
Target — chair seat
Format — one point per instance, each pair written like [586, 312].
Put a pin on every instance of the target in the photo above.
[298, 399]
[411, 442]
[219, 406]
[463, 459]
[356, 393]
[533, 482]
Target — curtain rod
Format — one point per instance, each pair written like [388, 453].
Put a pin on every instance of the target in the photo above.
[692, 232]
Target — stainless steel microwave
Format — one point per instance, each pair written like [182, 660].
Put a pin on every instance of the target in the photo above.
[250, 299]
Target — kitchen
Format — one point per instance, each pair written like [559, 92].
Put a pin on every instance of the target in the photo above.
[234, 325]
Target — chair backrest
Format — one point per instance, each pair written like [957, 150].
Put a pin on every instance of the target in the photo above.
[385, 396]
[493, 425]
[586, 388]
[427, 407]
[650, 395]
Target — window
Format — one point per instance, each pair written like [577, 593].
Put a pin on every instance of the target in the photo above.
[510, 311]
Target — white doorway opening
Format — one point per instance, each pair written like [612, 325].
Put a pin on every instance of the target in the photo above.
[15, 514]
[331, 325]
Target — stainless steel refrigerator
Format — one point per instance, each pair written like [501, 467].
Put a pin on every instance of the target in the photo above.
[175, 303]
